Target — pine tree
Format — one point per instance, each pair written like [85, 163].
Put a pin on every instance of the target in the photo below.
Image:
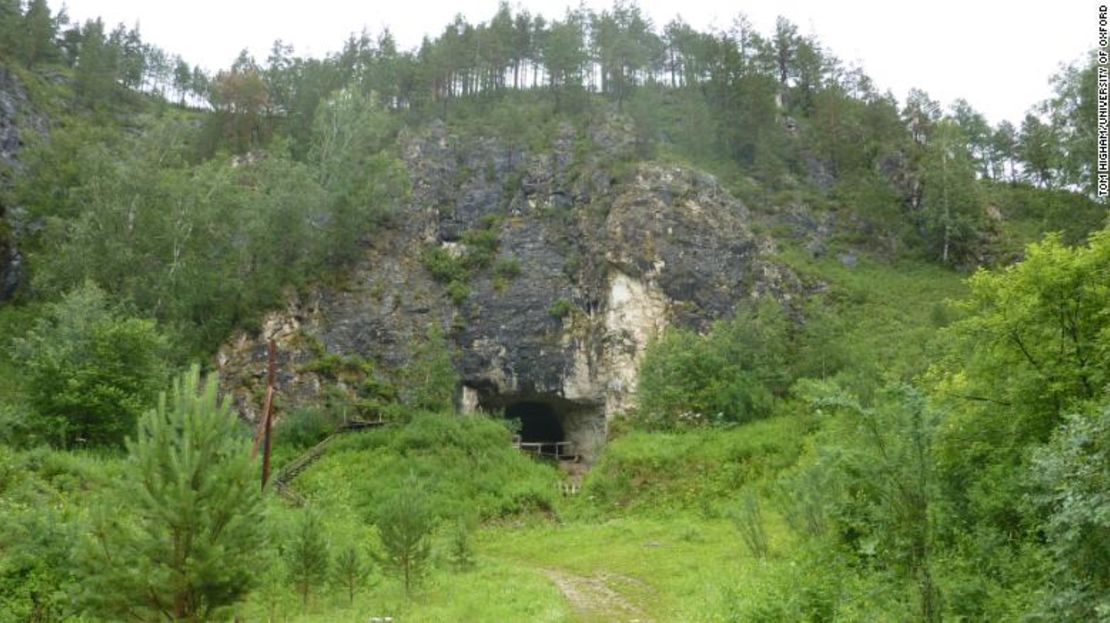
[350, 571]
[307, 555]
[564, 55]
[94, 76]
[178, 538]
[1038, 149]
[11, 13]
[38, 31]
[405, 523]
[462, 553]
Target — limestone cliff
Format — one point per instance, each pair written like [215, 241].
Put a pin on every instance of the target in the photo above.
[607, 251]
[15, 115]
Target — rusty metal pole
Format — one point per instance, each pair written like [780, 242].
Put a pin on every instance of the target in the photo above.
[266, 424]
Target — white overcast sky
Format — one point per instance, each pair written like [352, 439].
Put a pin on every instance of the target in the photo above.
[998, 55]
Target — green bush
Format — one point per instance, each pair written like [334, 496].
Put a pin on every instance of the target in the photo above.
[429, 380]
[700, 468]
[478, 253]
[336, 367]
[817, 585]
[92, 371]
[305, 426]
[730, 376]
[748, 518]
[481, 247]
[467, 465]
[1070, 487]
[443, 266]
[561, 308]
[458, 292]
[507, 268]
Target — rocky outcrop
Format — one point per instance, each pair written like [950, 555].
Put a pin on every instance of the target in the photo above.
[15, 117]
[13, 103]
[608, 253]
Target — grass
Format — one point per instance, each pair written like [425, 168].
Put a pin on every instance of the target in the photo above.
[679, 568]
[494, 591]
[701, 470]
[669, 569]
[634, 542]
[15, 321]
[466, 462]
[880, 317]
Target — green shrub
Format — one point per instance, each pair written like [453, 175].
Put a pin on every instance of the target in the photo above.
[467, 465]
[305, 426]
[483, 241]
[478, 255]
[429, 380]
[815, 586]
[1070, 478]
[507, 268]
[337, 367]
[561, 308]
[92, 371]
[672, 472]
[748, 518]
[458, 291]
[444, 267]
[730, 376]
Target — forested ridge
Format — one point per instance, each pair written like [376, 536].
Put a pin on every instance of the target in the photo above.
[913, 423]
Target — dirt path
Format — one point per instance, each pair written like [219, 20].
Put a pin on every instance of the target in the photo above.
[593, 598]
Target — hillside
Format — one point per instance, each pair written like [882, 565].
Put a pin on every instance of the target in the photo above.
[573, 320]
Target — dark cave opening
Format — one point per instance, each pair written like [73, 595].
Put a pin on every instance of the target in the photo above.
[551, 426]
[538, 421]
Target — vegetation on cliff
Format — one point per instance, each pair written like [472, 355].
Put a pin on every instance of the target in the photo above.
[913, 427]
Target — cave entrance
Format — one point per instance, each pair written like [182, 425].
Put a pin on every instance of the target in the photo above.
[550, 426]
[541, 429]
[539, 422]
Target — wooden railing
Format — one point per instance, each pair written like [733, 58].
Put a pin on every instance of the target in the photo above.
[292, 469]
[558, 450]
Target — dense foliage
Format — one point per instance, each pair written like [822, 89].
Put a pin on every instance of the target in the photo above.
[91, 371]
[731, 376]
[866, 451]
[179, 534]
[973, 488]
[217, 241]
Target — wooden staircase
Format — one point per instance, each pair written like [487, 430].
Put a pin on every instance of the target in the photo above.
[294, 468]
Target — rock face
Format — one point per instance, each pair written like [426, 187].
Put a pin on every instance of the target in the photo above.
[606, 261]
[13, 102]
[14, 111]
